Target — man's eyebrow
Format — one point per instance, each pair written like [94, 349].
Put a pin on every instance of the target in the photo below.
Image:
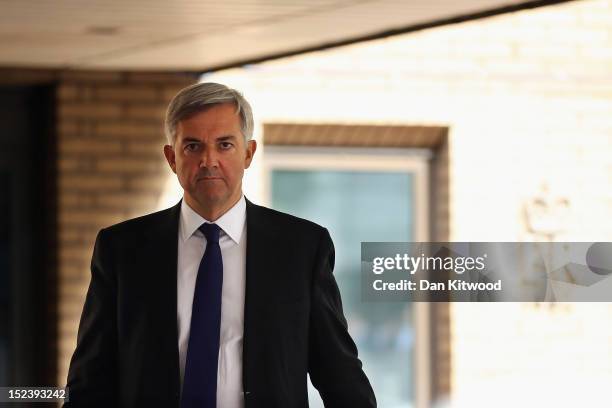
[226, 137]
[223, 138]
[190, 139]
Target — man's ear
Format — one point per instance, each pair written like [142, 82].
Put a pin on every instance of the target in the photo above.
[250, 152]
[170, 157]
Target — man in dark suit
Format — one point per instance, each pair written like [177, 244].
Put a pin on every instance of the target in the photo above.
[182, 311]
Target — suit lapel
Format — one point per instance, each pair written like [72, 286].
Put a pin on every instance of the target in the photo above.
[257, 254]
[163, 256]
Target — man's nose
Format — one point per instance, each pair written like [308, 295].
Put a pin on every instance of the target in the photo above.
[209, 158]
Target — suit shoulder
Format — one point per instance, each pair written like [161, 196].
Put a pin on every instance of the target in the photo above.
[281, 220]
[142, 224]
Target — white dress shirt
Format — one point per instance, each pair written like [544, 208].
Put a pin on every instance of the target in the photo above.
[191, 246]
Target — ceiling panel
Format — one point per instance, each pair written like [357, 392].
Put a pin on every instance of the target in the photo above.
[196, 35]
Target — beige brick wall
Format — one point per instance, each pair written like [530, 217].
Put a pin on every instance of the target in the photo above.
[527, 98]
[110, 168]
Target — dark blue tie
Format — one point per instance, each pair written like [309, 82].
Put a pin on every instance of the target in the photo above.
[200, 380]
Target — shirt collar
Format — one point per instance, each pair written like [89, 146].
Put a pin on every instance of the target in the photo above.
[232, 222]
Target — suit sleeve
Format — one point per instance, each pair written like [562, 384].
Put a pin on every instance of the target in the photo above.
[92, 376]
[335, 370]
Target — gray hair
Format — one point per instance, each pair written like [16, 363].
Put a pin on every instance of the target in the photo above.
[199, 97]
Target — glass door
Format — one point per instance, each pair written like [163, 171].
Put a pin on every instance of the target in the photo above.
[361, 196]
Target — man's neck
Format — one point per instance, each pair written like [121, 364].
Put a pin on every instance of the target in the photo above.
[210, 213]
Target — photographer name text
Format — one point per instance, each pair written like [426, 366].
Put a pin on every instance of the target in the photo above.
[424, 284]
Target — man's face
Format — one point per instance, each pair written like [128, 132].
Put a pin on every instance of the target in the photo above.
[209, 157]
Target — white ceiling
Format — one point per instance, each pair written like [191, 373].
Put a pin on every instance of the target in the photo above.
[198, 35]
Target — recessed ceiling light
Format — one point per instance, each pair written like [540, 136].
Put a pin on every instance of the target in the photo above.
[102, 30]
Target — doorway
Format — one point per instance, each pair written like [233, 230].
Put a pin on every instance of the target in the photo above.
[27, 236]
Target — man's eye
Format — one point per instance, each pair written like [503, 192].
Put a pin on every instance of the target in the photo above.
[191, 147]
[226, 145]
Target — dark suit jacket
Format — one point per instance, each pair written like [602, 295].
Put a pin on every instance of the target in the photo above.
[127, 348]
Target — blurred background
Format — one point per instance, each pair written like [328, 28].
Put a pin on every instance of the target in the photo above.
[469, 120]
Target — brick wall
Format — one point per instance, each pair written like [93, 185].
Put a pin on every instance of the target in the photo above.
[110, 167]
[527, 99]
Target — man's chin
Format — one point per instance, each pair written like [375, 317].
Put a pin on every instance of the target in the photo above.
[211, 198]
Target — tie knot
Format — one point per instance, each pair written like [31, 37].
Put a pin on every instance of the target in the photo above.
[211, 232]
